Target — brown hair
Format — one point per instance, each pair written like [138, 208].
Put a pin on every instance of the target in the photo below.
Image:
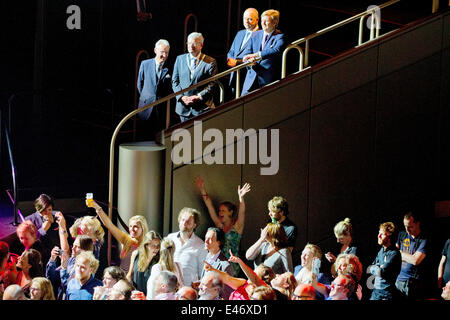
[42, 202]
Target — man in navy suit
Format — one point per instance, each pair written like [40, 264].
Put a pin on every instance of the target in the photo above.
[191, 68]
[267, 44]
[154, 83]
[241, 42]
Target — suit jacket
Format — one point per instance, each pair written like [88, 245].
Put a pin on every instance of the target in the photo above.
[222, 264]
[181, 79]
[150, 88]
[236, 52]
[268, 69]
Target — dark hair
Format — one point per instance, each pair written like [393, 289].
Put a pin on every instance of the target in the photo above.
[35, 261]
[231, 207]
[42, 202]
[410, 215]
[116, 273]
[86, 243]
[4, 250]
[220, 235]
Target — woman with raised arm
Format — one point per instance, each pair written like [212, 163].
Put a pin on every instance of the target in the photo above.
[230, 219]
[137, 228]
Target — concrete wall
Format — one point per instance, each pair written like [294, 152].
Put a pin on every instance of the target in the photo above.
[364, 136]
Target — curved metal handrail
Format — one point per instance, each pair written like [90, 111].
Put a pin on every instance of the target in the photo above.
[375, 26]
[188, 17]
[330, 28]
[300, 63]
[151, 105]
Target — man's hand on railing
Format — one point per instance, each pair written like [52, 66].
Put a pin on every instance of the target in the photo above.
[188, 100]
[250, 57]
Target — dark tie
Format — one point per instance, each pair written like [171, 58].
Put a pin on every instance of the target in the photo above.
[266, 36]
[158, 71]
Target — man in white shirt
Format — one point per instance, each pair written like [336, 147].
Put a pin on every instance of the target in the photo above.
[189, 248]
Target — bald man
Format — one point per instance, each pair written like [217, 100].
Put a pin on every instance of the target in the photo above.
[241, 41]
[14, 292]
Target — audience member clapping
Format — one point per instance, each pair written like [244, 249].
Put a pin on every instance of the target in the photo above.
[271, 249]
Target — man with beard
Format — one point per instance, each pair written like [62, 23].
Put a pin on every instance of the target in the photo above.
[189, 248]
[82, 286]
[386, 265]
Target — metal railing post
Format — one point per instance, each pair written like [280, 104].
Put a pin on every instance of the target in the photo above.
[283, 63]
[238, 83]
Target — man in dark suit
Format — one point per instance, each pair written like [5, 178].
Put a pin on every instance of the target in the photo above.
[267, 44]
[241, 42]
[154, 83]
[214, 241]
[191, 68]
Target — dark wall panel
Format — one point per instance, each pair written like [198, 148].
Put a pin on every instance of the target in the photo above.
[341, 162]
[408, 102]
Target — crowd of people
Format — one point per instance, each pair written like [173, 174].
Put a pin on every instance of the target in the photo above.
[182, 266]
[61, 263]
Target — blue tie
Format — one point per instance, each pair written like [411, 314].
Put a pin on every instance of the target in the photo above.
[246, 37]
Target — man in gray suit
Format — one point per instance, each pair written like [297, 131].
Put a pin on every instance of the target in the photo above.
[153, 83]
[214, 241]
[191, 68]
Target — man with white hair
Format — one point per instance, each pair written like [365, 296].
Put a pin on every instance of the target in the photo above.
[191, 68]
[14, 292]
[154, 83]
[166, 286]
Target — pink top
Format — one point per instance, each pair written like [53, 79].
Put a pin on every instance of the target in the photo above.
[240, 293]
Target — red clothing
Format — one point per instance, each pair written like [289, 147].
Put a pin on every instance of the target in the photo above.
[240, 293]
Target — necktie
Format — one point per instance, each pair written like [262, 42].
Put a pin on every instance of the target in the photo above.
[158, 71]
[246, 37]
[266, 36]
[194, 63]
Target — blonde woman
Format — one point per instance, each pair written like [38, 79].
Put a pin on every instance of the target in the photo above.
[272, 249]
[166, 263]
[91, 227]
[137, 228]
[143, 259]
[41, 289]
[344, 235]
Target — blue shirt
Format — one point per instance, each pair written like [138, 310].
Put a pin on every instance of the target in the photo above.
[76, 291]
[411, 245]
[388, 263]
